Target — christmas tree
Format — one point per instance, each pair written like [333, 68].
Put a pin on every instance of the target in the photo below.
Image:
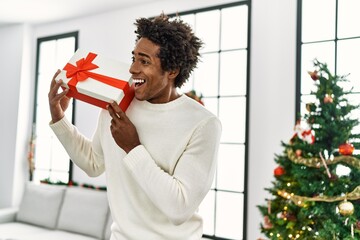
[316, 189]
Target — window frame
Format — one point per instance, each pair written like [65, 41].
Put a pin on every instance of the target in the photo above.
[299, 44]
[40, 40]
[247, 105]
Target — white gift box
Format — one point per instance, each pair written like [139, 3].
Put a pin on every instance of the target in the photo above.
[97, 80]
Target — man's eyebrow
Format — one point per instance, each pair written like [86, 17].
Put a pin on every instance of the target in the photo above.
[141, 54]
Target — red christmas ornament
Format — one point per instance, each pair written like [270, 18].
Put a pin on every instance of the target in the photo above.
[298, 152]
[279, 171]
[314, 75]
[346, 149]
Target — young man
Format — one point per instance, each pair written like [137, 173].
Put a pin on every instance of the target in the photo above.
[159, 156]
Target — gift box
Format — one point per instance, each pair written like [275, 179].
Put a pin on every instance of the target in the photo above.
[97, 80]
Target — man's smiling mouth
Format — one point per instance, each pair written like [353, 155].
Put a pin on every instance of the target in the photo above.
[138, 82]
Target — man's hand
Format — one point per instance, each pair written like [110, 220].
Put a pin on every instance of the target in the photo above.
[58, 102]
[122, 129]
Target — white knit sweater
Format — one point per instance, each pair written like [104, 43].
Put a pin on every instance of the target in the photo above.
[155, 190]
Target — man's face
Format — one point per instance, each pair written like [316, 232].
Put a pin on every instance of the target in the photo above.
[151, 82]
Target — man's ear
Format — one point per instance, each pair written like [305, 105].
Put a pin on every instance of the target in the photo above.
[173, 73]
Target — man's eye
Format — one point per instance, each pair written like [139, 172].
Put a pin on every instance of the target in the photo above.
[140, 60]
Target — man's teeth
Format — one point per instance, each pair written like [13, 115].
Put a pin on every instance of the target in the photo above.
[138, 80]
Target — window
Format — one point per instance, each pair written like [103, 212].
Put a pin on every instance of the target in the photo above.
[49, 156]
[226, 52]
[327, 30]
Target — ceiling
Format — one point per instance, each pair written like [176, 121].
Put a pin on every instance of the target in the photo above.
[40, 11]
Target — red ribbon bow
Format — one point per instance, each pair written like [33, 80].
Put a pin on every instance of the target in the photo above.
[80, 72]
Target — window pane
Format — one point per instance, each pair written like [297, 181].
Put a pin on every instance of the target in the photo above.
[349, 18]
[64, 50]
[59, 176]
[233, 84]
[318, 20]
[42, 104]
[40, 174]
[234, 22]
[189, 19]
[211, 104]
[47, 62]
[205, 20]
[206, 210]
[354, 99]
[59, 158]
[229, 215]
[232, 113]
[324, 52]
[305, 99]
[43, 152]
[188, 85]
[230, 170]
[207, 74]
[348, 59]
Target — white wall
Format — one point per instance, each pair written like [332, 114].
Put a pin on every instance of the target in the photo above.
[272, 96]
[272, 86]
[25, 112]
[14, 108]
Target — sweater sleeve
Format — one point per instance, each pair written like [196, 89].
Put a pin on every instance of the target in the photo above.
[179, 195]
[84, 153]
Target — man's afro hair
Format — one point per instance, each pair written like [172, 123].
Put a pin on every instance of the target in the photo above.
[179, 47]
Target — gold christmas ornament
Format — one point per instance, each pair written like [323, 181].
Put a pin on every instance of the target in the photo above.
[346, 208]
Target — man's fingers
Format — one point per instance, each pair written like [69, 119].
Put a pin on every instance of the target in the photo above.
[53, 82]
[116, 112]
[54, 91]
[56, 73]
[117, 109]
[112, 112]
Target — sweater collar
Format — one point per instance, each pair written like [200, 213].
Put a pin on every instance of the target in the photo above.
[162, 106]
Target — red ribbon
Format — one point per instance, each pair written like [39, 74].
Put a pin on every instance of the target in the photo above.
[81, 72]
